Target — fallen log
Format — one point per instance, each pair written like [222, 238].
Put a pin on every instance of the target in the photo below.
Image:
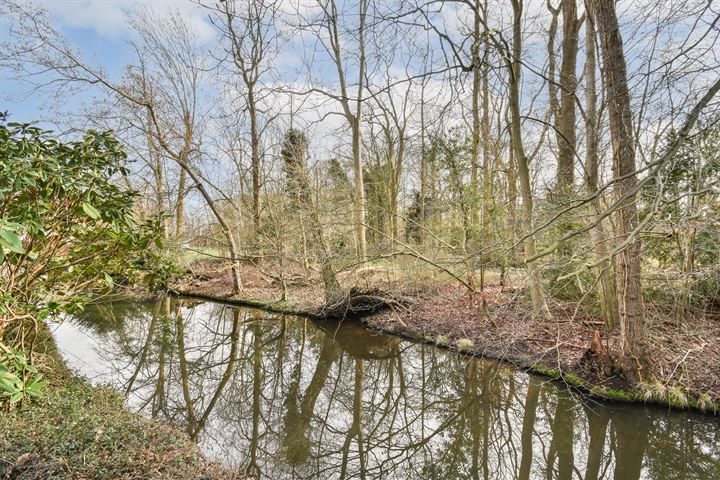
[357, 302]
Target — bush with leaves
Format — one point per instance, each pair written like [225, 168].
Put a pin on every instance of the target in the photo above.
[68, 230]
[18, 379]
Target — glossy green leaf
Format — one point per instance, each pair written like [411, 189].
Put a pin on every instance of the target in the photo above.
[10, 241]
[91, 211]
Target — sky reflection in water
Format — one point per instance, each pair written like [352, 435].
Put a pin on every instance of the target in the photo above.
[286, 397]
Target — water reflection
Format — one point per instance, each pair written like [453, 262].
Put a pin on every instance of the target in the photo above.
[285, 397]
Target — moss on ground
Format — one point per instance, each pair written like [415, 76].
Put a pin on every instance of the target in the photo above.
[84, 432]
[284, 306]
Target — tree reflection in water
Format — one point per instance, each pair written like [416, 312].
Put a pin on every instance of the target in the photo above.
[286, 397]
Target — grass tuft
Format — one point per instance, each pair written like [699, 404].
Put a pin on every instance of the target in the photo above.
[676, 397]
[705, 404]
[465, 344]
[654, 391]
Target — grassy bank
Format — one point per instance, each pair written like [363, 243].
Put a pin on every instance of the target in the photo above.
[84, 432]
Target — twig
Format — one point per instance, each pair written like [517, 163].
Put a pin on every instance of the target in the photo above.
[680, 362]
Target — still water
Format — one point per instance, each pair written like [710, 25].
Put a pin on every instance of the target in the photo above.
[285, 397]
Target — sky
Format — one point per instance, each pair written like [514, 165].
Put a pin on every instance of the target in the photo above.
[101, 30]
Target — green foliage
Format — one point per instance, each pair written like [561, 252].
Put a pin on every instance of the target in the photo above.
[569, 280]
[18, 379]
[68, 230]
[684, 203]
[9, 240]
[376, 178]
[159, 270]
[564, 273]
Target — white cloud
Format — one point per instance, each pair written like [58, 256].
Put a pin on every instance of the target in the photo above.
[109, 18]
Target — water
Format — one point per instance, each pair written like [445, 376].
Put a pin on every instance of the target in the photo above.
[285, 397]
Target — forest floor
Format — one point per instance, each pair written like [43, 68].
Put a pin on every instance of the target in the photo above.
[77, 431]
[443, 312]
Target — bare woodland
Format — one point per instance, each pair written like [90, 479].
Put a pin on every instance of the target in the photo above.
[557, 156]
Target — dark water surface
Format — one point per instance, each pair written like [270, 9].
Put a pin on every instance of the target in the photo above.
[285, 397]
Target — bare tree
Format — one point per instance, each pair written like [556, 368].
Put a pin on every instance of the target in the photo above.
[627, 261]
[293, 154]
[606, 286]
[565, 117]
[327, 29]
[170, 49]
[523, 167]
[249, 26]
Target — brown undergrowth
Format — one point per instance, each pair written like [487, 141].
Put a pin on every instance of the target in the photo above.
[500, 324]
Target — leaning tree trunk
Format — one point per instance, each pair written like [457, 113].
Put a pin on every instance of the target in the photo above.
[224, 226]
[634, 347]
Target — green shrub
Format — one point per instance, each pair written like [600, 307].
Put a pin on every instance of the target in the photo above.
[68, 230]
[18, 379]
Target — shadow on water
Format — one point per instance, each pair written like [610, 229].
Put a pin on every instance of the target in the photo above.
[285, 397]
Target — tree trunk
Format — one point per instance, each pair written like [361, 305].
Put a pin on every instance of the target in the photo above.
[254, 158]
[536, 294]
[180, 206]
[606, 286]
[395, 187]
[423, 167]
[488, 151]
[357, 143]
[634, 348]
[354, 119]
[552, 61]
[475, 141]
[155, 160]
[512, 197]
[565, 121]
[359, 191]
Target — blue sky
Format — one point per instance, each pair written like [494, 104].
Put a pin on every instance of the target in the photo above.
[100, 29]
[112, 53]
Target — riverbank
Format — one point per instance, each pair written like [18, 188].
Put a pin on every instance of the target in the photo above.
[499, 324]
[78, 431]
